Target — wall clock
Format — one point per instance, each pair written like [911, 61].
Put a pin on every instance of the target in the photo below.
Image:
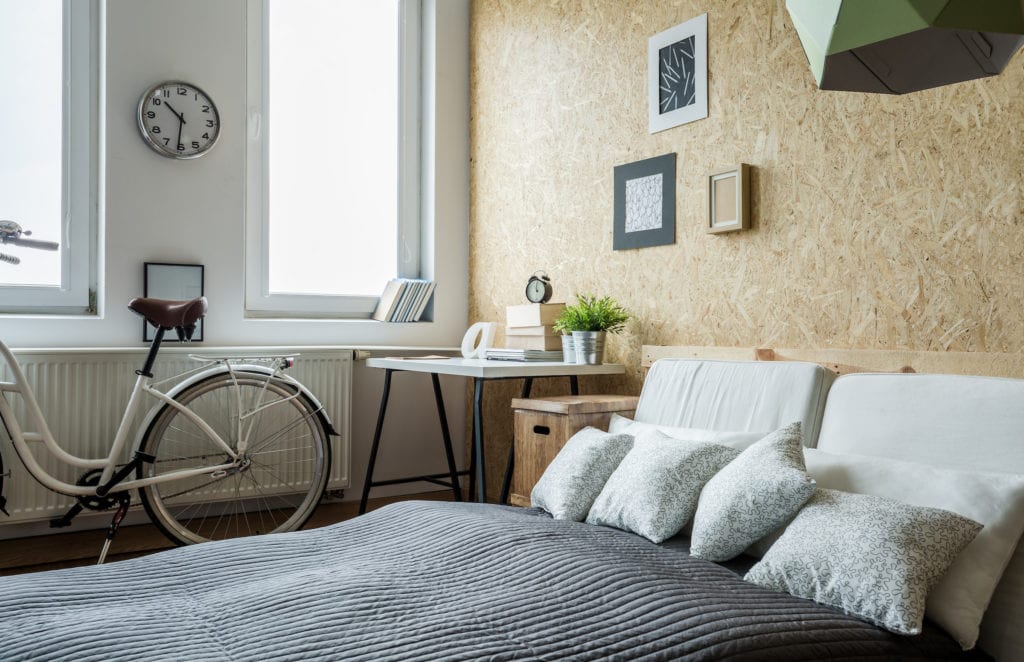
[178, 120]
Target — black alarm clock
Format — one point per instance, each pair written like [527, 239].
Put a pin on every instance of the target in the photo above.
[538, 288]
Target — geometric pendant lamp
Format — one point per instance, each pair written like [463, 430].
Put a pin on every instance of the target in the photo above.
[900, 46]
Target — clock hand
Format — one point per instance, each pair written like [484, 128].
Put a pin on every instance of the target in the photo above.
[181, 123]
[180, 117]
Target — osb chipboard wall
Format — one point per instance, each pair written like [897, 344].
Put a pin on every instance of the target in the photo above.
[879, 222]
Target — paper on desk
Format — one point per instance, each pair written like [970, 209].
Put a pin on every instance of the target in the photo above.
[431, 357]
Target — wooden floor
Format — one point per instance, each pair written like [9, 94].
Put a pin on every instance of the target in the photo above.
[67, 550]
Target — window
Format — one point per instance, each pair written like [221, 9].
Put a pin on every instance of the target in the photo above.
[333, 154]
[48, 168]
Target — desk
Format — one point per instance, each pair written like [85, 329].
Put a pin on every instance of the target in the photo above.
[481, 371]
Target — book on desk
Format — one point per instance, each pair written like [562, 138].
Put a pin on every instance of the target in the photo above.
[511, 354]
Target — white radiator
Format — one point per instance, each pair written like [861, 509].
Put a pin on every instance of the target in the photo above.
[83, 393]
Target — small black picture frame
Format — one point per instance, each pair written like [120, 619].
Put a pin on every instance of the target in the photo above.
[645, 203]
[175, 282]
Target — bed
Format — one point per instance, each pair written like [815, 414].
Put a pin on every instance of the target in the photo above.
[435, 581]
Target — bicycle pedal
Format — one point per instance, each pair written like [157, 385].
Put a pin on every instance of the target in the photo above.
[65, 520]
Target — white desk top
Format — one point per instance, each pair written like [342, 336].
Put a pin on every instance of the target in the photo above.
[490, 369]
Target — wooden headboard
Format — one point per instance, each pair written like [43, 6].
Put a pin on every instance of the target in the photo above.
[843, 361]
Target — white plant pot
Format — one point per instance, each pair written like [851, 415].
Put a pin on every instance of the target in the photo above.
[568, 349]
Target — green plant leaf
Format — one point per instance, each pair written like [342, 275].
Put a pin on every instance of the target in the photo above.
[591, 313]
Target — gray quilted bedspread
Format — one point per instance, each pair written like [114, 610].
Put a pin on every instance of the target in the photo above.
[428, 581]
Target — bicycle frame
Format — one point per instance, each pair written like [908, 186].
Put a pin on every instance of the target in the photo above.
[39, 430]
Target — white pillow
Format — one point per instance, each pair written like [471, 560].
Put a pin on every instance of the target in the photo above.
[654, 490]
[738, 440]
[872, 557]
[572, 481]
[958, 601]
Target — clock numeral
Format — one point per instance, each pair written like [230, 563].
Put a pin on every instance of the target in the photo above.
[206, 136]
[150, 114]
[155, 129]
[182, 92]
[209, 122]
[167, 141]
[195, 144]
[206, 109]
[196, 96]
[166, 93]
[181, 148]
[156, 101]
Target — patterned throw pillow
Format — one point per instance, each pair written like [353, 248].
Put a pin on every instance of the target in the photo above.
[872, 557]
[654, 491]
[758, 492]
[575, 477]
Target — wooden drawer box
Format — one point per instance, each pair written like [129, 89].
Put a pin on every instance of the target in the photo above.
[543, 425]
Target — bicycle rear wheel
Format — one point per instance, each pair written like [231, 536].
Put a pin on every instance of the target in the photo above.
[275, 488]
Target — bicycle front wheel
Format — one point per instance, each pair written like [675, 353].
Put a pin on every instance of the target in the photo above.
[274, 487]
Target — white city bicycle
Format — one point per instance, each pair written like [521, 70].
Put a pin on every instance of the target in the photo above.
[233, 447]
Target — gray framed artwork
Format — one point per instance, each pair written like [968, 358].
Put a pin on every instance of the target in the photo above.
[645, 203]
[677, 75]
[173, 282]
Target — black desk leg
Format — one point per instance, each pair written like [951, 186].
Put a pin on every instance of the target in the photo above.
[376, 440]
[510, 463]
[478, 439]
[574, 384]
[449, 455]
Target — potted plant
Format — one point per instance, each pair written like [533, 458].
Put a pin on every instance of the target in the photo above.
[589, 320]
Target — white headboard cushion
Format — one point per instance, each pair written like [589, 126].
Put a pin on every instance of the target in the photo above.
[947, 420]
[737, 396]
[953, 420]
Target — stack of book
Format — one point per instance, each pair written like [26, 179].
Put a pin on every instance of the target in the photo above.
[529, 335]
[530, 326]
[404, 300]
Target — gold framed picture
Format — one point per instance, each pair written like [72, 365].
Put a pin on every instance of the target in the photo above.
[729, 199]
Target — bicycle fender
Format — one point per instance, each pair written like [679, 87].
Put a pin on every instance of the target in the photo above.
[3, 474]
[218, 370]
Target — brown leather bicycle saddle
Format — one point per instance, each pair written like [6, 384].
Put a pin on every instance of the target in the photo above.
[169, 314]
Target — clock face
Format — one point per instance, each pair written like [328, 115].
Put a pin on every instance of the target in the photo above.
[178, 120]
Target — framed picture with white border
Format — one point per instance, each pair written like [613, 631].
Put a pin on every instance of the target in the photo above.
[677, 75]
[729, 199]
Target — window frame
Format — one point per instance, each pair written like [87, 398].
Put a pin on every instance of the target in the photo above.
[259, 300]
[81, 173]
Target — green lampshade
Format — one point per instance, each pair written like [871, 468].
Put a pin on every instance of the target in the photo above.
[899, 46]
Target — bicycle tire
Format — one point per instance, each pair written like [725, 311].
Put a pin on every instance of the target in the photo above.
[276, 493]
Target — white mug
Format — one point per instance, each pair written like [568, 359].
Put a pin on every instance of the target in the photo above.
[471, 349]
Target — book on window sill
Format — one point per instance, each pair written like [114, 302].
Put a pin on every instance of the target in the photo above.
[506, 354]
[404, 300]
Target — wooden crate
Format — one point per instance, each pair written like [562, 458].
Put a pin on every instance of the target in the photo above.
[543, 425]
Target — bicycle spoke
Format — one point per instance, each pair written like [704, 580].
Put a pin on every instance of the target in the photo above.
[277, 435]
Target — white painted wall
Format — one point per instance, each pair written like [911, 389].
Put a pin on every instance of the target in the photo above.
[158, 209]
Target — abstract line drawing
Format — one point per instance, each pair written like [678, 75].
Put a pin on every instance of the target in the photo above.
[676, 72]
[677, 75]
[643, 203]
